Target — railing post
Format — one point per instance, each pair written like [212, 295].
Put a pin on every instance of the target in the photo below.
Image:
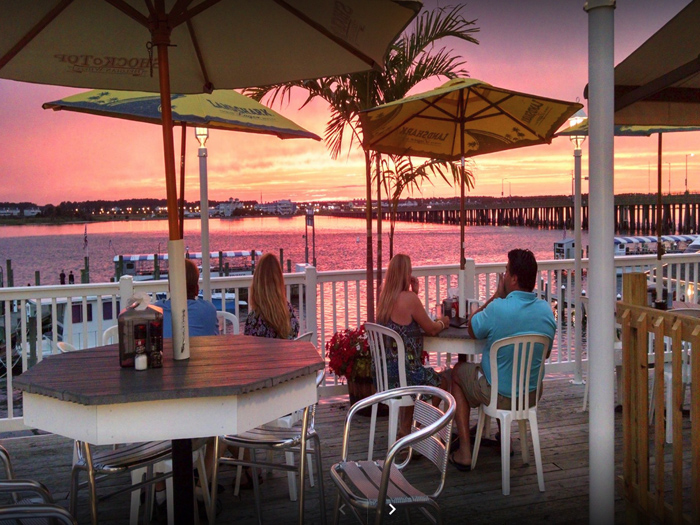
[126, 289]
[310, 292]
[470, 279]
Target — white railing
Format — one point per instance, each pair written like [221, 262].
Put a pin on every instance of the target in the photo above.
[339, 304]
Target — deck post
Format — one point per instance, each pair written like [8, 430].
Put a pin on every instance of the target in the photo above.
[310, 302]
[602, 289]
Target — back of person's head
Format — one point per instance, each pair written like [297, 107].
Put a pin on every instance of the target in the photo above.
[523, 265]
[192, 279]
[397, 280]
[268, 297]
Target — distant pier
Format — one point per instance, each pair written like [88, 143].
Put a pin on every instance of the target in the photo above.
[634, 214]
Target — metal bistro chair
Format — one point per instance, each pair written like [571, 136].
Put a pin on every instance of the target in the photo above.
[279, 439]
[373, 485]
[37, 509]
[524, 353]
[111, 335]
[379, 338]
[224, 319]
[64, 347]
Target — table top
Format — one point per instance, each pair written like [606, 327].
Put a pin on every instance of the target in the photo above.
[453, 333]
[223, 365]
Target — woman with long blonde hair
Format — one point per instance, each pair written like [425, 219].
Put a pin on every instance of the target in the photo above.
[270, 313]
[401, 309]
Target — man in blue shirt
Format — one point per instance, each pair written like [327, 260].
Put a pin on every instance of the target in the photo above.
[513, 309]
[201, 313]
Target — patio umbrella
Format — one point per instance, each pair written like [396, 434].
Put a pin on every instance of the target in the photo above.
[622, 130]
[463, 118]
[187, 47]
[222, 109]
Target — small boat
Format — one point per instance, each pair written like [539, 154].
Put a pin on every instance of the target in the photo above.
[149, 267]
[635, 245]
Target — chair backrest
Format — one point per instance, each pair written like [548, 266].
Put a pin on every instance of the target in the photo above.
[380, 340]
[224, 319]
[64, 347]
[692, 312]
[111, 335]
[524, 353]
[430, 433]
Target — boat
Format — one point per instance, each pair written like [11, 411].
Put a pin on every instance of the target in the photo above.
[149, 267]
[635, 245]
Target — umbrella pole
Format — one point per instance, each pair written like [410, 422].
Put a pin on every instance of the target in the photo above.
[182, 182]
[462, 261]
[370, 262]
[659, 225]
[176, 246]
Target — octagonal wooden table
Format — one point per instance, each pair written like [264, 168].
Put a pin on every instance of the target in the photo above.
[230, 384]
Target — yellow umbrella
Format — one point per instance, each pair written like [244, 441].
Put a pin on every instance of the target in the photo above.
[463, 118]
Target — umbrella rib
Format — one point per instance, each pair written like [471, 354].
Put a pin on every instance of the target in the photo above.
[208, 86]
[180, 17]
[130, 12]
[318, 27]
[506, 114]
[33, 32]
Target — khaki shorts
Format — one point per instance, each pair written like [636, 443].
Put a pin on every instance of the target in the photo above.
[470, 378]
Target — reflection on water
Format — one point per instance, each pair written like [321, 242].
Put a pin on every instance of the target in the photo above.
[340, 243]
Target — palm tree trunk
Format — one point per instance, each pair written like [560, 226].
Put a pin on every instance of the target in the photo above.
[379, 225]
[370, 259]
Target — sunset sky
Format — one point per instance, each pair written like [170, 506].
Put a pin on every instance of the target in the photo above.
[533, 46]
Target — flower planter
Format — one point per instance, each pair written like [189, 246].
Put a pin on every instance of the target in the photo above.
[361, 388]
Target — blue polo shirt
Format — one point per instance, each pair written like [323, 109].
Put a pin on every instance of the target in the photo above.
[201, 315]
[519, 313]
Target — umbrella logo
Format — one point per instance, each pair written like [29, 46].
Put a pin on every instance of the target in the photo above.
[109, 65]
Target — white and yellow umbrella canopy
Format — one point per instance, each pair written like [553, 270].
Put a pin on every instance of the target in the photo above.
[463, 118]
[222, 109]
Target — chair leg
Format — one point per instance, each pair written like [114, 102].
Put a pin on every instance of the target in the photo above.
[336, 509]
[310, 463]
[319, 475]
[91, 483]
[477, 439]
[505, 454]
[291, 477]
[522, 430]
[239, 472]
[256, 486]
[170, 501]
[536, 449]
[136, 477]
[74, 484]
[209, 504]
[372, 425]
[393, 424]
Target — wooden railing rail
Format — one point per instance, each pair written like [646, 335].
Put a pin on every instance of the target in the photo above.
[649, 489]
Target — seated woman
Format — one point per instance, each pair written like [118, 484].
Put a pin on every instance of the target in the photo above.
[270, 314]
[401, 310]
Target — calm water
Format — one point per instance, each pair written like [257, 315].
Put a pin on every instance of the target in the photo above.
[340, 243]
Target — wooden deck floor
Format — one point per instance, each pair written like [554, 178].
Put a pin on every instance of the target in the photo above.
[473, 497]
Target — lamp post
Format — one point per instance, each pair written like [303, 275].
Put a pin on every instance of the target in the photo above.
[686, 169]
[577, 141]
[202, 135]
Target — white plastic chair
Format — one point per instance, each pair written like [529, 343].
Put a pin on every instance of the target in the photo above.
[64, 347]
[524, 352]
[224, 319]
[111, 335]
[379, 339]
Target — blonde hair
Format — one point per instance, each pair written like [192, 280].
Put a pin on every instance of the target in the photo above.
[397, 280]
[267, 295]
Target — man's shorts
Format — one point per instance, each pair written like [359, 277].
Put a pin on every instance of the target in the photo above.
[477, 389]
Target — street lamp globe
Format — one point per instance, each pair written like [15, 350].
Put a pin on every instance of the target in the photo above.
[575, 120]
[202, 135]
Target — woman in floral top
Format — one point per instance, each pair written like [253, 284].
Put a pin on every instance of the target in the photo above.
[270, 313]
[400, 309]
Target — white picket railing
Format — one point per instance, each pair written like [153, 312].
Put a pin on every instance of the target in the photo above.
[339, 304]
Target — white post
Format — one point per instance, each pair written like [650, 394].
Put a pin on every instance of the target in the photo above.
[602, 278]
[178, 299]
[126, 289]
[310, 302]
[578, 335]
[204, 218]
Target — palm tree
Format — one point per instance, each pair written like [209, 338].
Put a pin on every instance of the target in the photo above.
[413, 58]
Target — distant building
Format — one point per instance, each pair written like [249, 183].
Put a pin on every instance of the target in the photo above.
[32, 212]
[226, 209]
[280, 207]
[9, 212]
